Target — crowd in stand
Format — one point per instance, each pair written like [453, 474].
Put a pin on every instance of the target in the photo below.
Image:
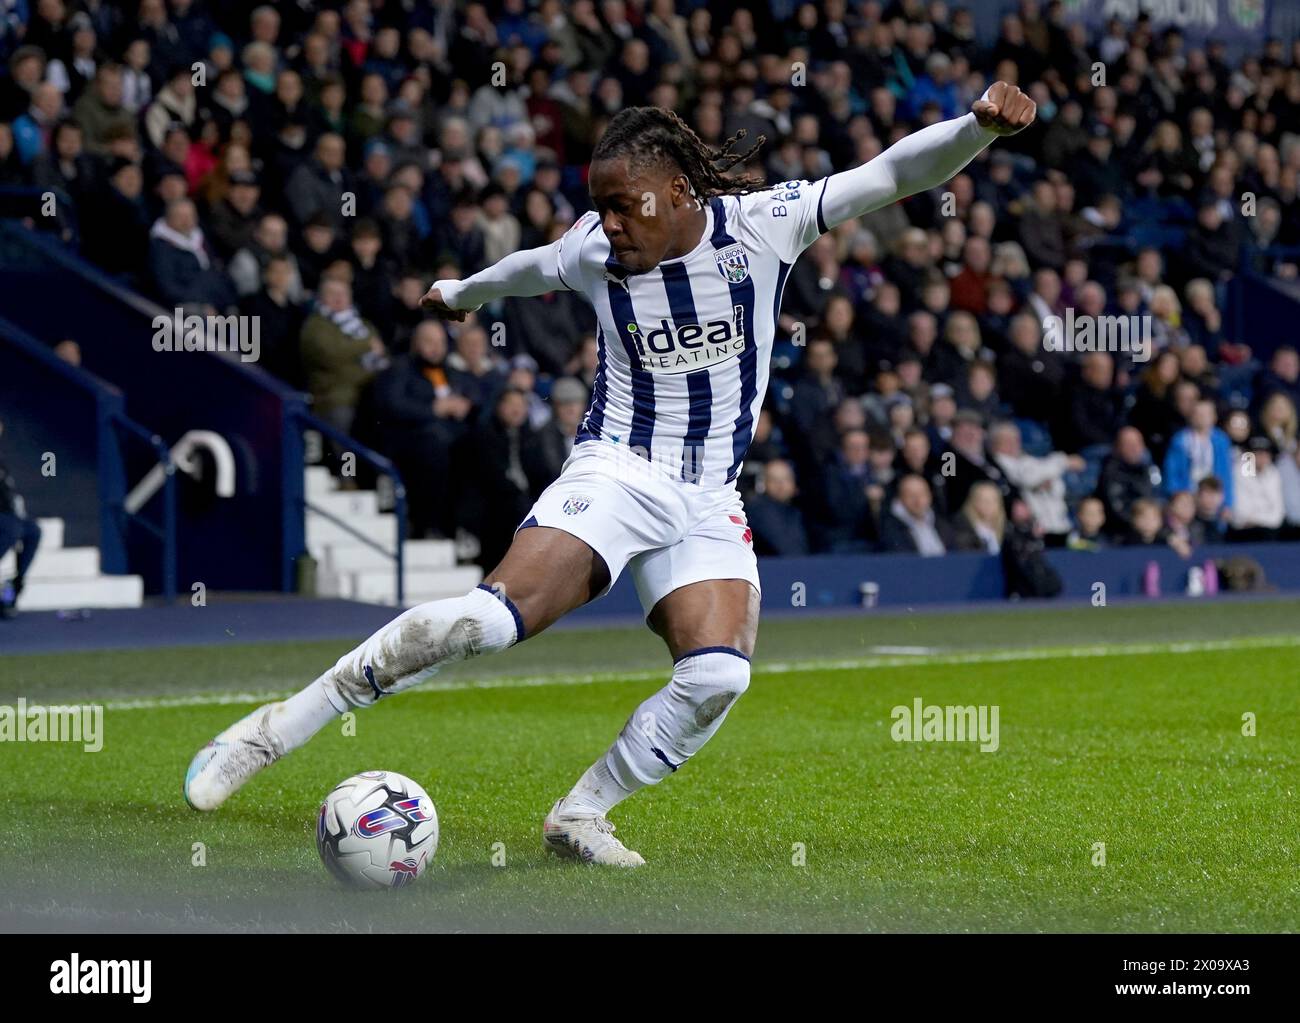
[326, 161]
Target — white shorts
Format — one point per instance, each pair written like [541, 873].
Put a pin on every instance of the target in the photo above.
[670, 533]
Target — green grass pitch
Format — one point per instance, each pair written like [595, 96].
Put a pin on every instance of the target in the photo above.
[1120, 725]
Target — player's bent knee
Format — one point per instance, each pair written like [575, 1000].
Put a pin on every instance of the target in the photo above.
[709, 681]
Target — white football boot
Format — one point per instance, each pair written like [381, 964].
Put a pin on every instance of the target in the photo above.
[223, 765]
[586, 837]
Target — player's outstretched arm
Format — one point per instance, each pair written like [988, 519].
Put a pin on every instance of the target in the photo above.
[519, 275]
[926, 158]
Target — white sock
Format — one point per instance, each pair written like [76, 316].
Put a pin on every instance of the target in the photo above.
[405, 652]
[597, 791]
[667, 729]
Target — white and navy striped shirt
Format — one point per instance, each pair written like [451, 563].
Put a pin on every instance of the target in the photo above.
[684, 348]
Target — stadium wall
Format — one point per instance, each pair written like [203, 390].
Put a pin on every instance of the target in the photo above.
[901, 580]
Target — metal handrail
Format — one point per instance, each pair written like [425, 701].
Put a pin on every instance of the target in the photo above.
[166, 532]
[384, 467]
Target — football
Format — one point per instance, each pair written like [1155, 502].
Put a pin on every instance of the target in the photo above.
[377, 829]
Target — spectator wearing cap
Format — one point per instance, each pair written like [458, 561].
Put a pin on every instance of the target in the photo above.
[773, 515]
[1093, 171]
[233, 220]
[553, 440]
[182, 264]
[520, 372]
[1259, 504]
[373, 178]
[1199, 450]
[175, 103]
[315, 189]
[971, 462]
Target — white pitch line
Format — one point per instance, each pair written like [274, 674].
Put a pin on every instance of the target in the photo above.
[933, 658]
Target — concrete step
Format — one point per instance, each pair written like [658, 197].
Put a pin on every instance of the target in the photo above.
[346, 504]
[56, 563]
[51, 533]
[104, 591]
[317, 480]
[322, 533]
[353, 557]
[377, 587]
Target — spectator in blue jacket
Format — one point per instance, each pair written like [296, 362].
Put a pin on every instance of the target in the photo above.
[33, 129]
[1199, 450]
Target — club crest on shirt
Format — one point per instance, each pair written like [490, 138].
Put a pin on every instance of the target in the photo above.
[577, 504]
[733, 263]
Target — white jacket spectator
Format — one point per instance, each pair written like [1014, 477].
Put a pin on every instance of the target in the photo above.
[1039, 480]
[1259, 502]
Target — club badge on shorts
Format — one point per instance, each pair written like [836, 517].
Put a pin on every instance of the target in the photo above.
[733, 263]
[576, 505]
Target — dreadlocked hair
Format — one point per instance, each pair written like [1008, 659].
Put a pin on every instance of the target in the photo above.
[646, 135]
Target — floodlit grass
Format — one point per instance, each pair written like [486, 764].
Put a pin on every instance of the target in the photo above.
[802, 814]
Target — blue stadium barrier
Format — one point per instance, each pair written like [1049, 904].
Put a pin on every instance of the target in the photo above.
[246, 542]
[54, 410]
[829, 581]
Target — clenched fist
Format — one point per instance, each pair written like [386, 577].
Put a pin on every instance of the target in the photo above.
[1005, 109]
[433, 301]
